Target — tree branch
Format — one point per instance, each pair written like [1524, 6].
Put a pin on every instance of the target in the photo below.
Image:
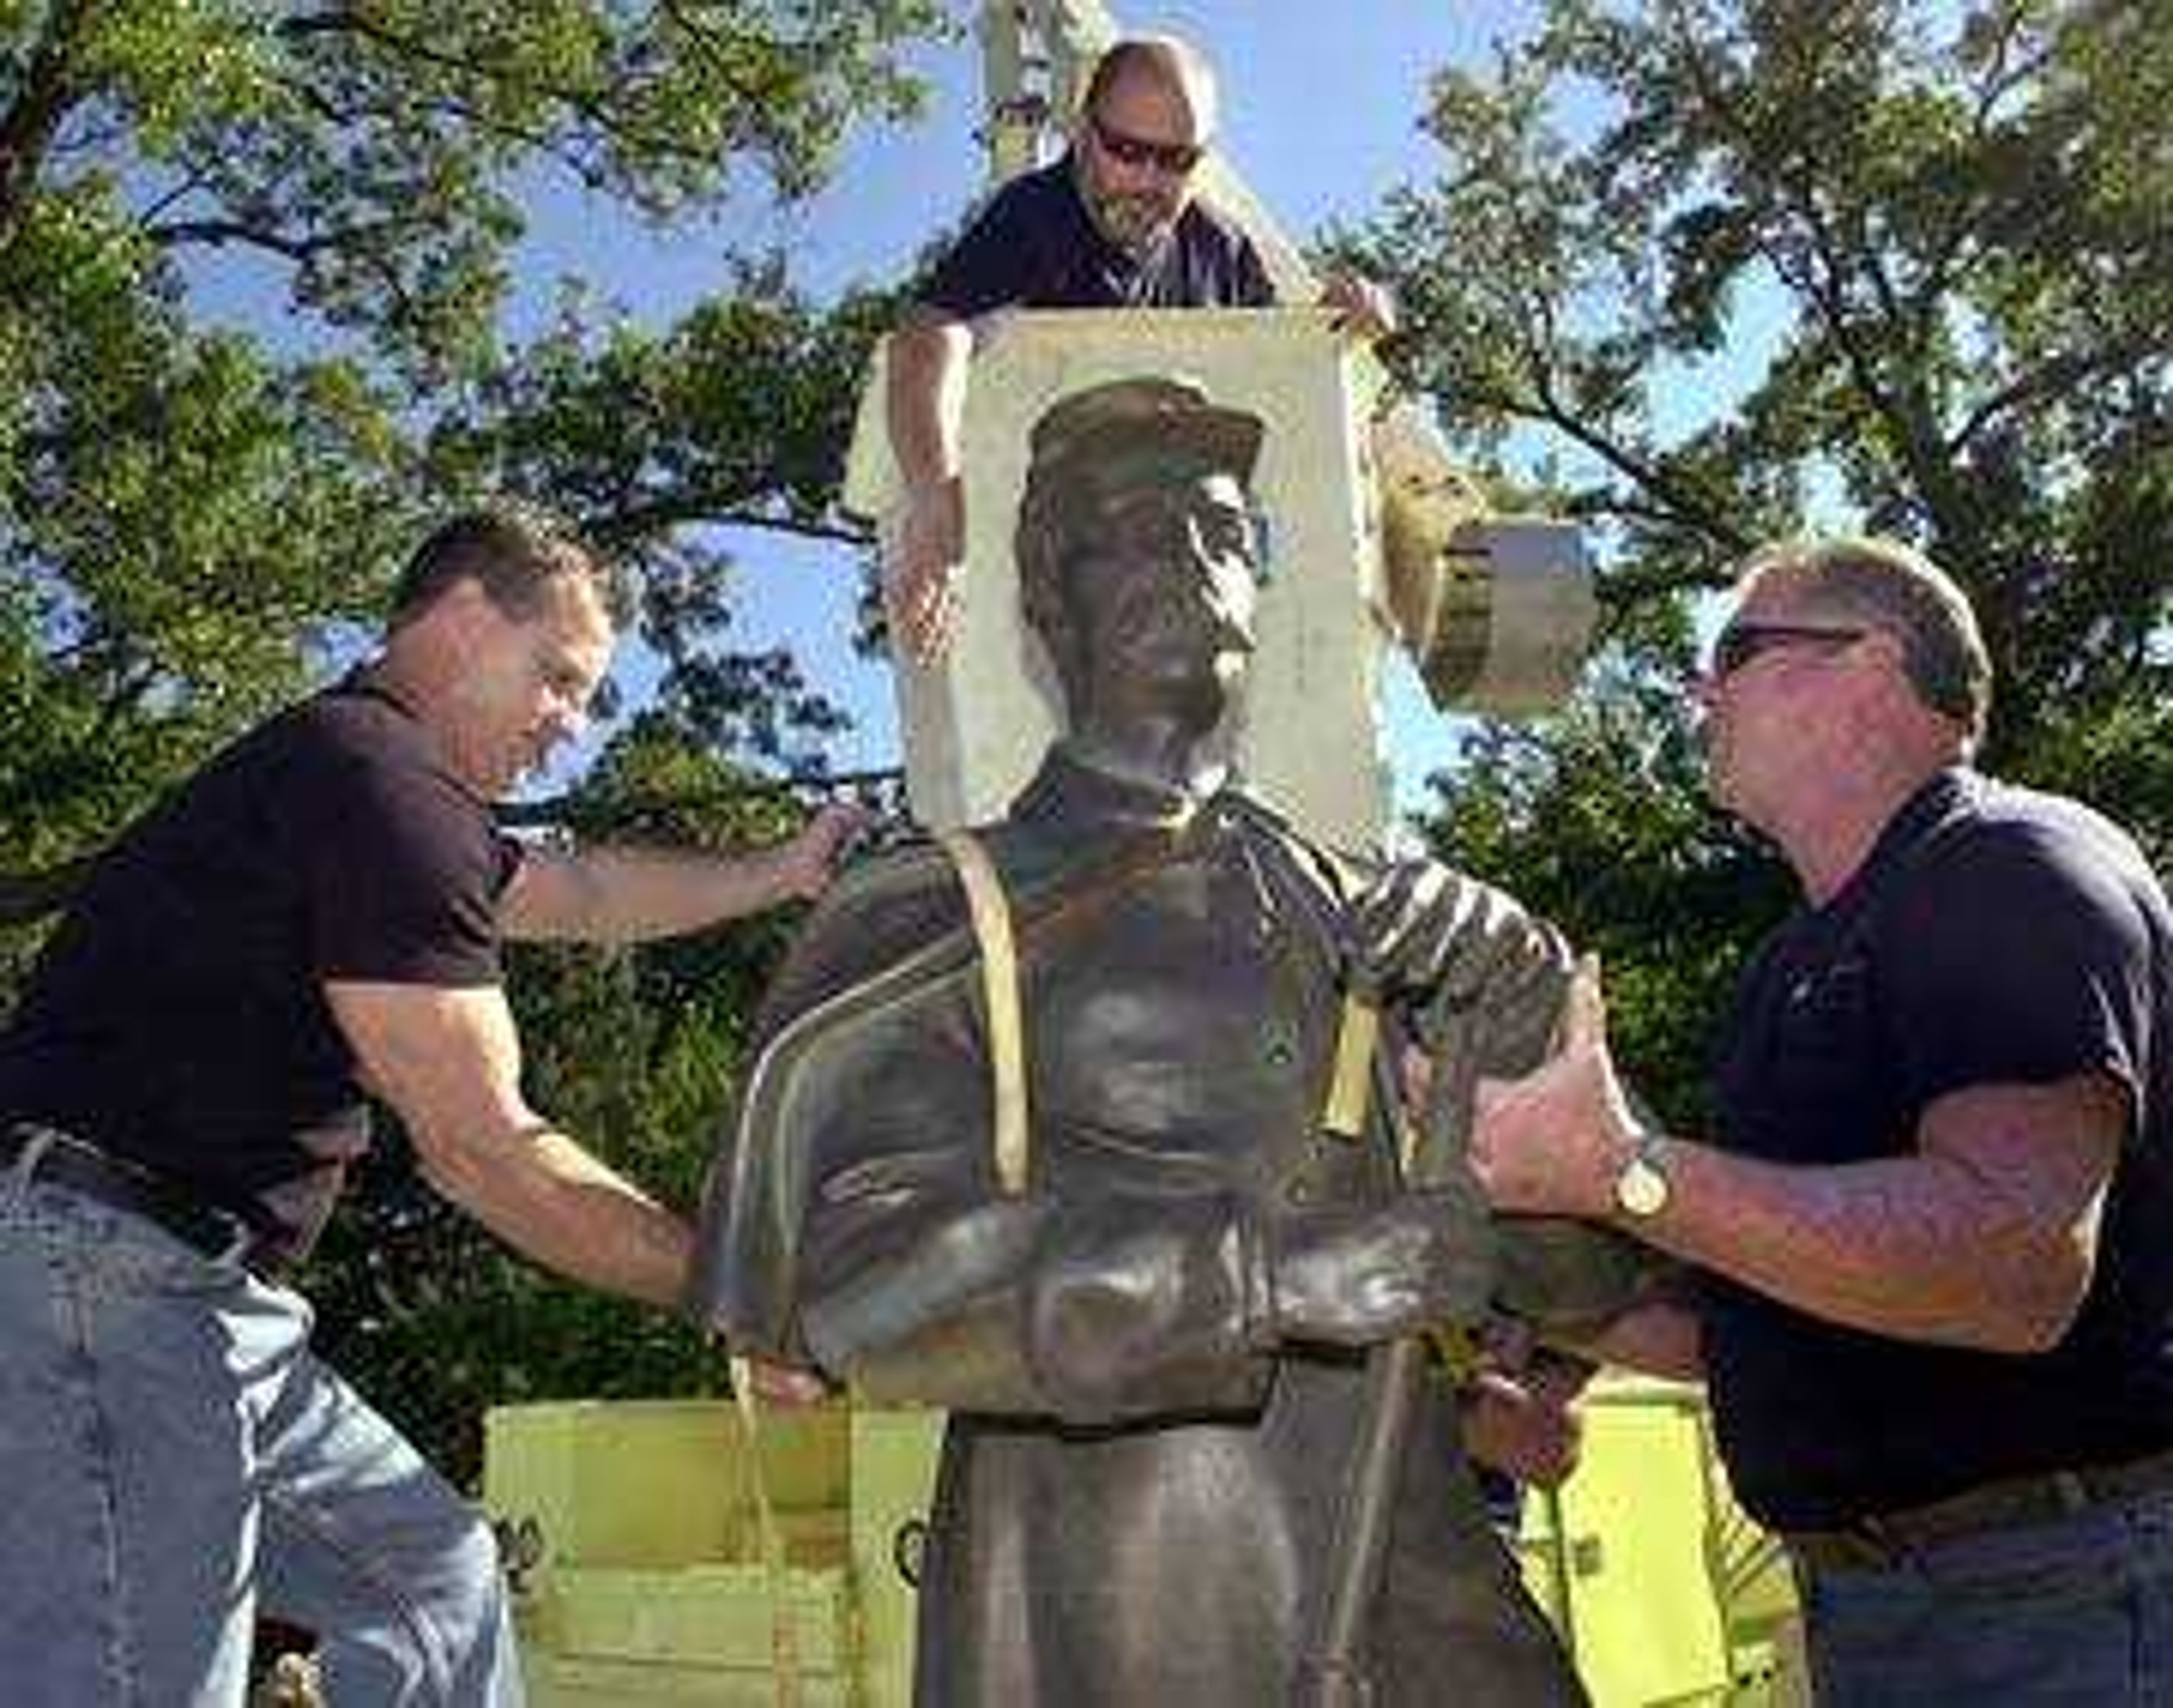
[47, 91]
[362, 243]
[634, 519]
[598, 112]
[1822, 282]
[2062, 372]
[1545, 404]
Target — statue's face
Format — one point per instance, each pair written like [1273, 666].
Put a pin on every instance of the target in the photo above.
[1163, 591]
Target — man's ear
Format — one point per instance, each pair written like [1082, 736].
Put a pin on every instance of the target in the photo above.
[453, 612]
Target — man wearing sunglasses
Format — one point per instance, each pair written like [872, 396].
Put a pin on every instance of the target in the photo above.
[1115, 223]
[1936, 1223]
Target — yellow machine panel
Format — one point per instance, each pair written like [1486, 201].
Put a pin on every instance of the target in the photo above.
[644, 1581]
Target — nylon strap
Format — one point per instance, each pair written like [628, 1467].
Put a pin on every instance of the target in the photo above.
[1350, 1092]
[992, 929]
[785, 1671]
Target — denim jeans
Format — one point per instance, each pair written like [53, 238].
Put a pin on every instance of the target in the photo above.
[2076, 1610]
[174, 1461]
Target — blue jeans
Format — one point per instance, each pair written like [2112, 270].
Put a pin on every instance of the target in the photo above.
[174, 1460]
[2076, 1610]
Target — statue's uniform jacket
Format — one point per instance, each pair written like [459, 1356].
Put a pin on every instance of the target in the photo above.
[1139, 1490]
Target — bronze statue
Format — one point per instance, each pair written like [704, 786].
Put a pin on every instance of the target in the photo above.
[1146, 1232]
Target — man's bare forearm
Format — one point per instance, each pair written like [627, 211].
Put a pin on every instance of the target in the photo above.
[629, 895]
[926, 367]
[561, 1207]
[1983, 1235]
[1911, 1247]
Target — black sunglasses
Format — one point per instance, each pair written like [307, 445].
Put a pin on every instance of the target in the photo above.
[1175, 158]
[1740, 643]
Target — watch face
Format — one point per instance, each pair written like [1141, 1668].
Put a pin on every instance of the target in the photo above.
[1640, 1188]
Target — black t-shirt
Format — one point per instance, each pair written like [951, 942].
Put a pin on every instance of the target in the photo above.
[1035, 247]
[1994, 936]
[177, 1016]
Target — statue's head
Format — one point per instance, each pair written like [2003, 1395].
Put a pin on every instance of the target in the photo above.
[1137, 553]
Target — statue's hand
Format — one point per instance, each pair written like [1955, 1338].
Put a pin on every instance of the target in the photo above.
[1350, 1276]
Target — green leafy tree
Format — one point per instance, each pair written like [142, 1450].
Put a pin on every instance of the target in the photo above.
[256, 266]
[1748, 265]
[194, 515]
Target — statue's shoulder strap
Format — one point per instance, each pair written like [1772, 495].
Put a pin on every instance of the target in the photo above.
[1331, 878]
[991, 915]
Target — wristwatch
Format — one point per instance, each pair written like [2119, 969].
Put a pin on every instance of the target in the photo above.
[1641, 1189]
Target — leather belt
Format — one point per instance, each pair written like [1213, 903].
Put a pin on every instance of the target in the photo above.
[1881, 1539]
[80, 1166]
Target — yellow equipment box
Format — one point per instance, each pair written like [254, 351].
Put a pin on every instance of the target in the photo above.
[633, 1532]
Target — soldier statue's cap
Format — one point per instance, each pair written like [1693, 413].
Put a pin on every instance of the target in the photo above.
[1144, 428]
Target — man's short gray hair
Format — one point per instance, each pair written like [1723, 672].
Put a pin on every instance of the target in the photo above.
[1893, 588]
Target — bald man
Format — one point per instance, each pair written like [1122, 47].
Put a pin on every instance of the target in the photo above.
[1116, 223]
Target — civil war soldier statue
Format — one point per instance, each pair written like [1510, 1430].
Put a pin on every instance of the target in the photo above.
[1082, 1127]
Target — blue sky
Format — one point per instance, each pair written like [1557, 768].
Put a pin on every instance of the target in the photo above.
[1320, 114]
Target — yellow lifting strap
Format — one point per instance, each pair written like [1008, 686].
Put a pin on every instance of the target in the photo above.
[1350, 1092]
[785, 1676]
[1000, 988]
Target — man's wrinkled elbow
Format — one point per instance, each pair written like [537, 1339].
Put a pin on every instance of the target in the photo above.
[2038, 1313]
[458, 1172]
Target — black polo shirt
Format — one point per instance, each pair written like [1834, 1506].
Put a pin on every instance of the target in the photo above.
[1994, 934]
[177, 1016]
[1035, 247]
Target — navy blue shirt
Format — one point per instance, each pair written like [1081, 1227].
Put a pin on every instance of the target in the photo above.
[1993, 935]
[1035, 247]
[177, 1016]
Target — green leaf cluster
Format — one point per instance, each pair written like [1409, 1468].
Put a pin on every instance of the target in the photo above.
[1750, 267]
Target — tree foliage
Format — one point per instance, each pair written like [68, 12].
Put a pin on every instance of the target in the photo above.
[196, 507]
[258, 267]
[1752, 266]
